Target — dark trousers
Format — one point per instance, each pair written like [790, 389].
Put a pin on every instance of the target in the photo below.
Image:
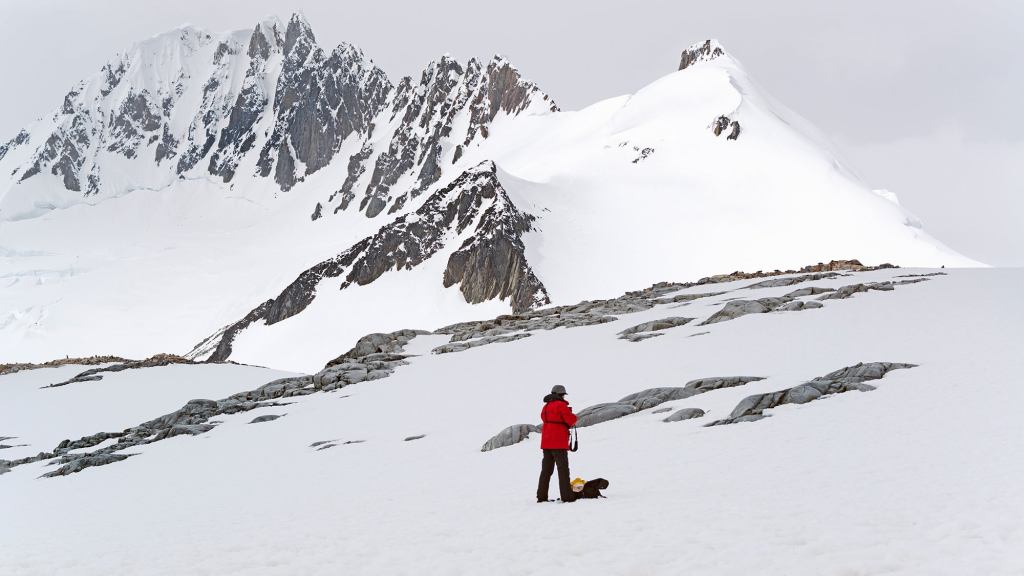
[551, 459]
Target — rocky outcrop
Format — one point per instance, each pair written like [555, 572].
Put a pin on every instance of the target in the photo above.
[378, 343]
[652, 328]
[737, 308]
[849, 290]
[701, 52]
[777, 282]
[265, 418]
[833, 266]
[686, 297]
[97, 373]
[509, 436]
[724, 124]
[548, 319]
[88, 361]
[809, 291]
[604, 412]
[651, 397]
[490, 263]
[846, 379]
[21, 138]
[466, 345]
[684, 414]
[791, 302]
[77, 464]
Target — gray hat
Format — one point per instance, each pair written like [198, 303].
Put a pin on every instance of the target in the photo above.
[558, 389]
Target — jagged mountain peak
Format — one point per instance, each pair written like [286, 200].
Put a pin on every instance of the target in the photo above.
[299, 36]
[705, 51]
[431, 124]
[267, 37]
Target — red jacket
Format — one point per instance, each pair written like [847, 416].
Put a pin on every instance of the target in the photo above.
[557, 417]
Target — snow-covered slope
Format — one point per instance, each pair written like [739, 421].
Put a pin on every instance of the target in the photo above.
[200, 176]
[916, 476]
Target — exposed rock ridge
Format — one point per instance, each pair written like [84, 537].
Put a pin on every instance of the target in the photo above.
[364, 362]
[91, 360]
[421, 119]
[490, 263]
[97, 373]
[846, 379]
[701, 52]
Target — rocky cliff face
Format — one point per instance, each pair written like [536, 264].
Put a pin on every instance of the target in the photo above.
[705, 51]
[489, 262]
[428, 125]
[270, 101]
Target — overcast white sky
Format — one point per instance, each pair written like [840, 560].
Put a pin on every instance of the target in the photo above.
[922, 98]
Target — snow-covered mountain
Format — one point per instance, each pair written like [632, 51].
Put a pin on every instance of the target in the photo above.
[274, 200]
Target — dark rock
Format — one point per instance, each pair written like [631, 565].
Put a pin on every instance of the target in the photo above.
[265, 418]
[809, 291]
[466, 345]
[686, 297]
[193, 412]
[417, 437]
[851, 289]
[21, 138]
[703, 385]
[737, 308]
[846, 379]
[641, 336]
[151, 362]
[88, 361]
[684, 414]
[777, 282]
[85, 442]
[379, 343]
[603, 412]
[492, 262]
[702, 52]
[653, 326]
[721, 124]
[182, 430]
[86, 461]
[509, 436]
[735, 132]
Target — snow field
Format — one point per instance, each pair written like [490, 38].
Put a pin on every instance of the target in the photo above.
[916, 477]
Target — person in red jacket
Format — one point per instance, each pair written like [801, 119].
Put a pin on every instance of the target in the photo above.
[558, 418]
